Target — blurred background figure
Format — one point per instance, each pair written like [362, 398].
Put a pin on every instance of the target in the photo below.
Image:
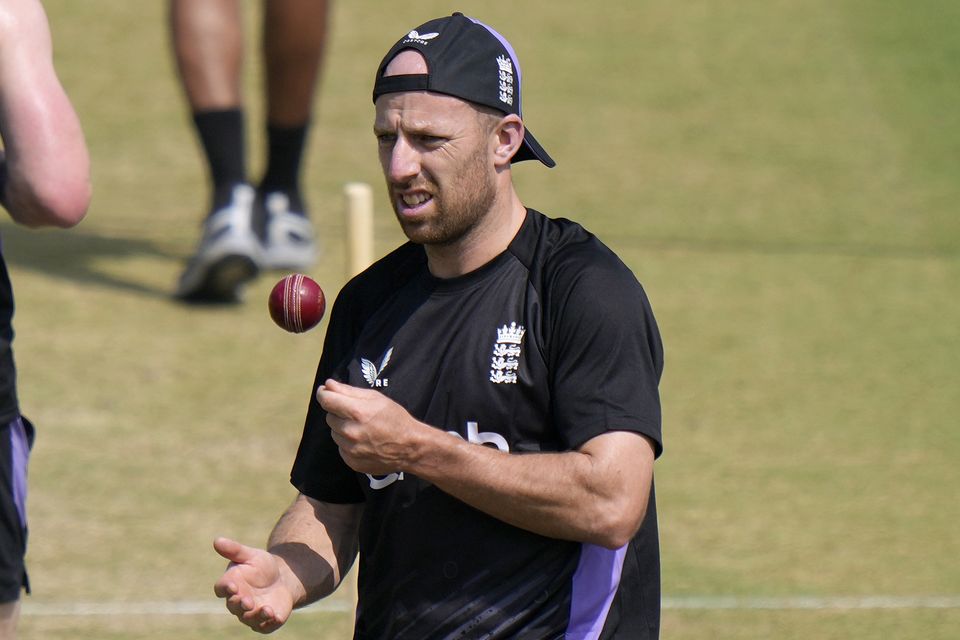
[44, 181]
[249, 226]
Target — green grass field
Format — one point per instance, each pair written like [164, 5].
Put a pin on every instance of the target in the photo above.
[782, 177]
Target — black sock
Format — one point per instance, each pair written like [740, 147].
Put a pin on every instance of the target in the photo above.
[222, 136]
[285, 153]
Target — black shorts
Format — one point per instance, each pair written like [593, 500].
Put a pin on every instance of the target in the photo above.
[16, 439]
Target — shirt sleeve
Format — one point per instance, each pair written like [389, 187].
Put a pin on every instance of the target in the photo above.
[318, 470]
[605, 350]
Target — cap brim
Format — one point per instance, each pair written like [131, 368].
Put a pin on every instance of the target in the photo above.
[530, 149]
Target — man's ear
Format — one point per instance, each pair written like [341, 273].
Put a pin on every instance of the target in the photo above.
[509, 133]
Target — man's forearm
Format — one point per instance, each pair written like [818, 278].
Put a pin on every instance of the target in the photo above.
[598, 494]
[317, 543]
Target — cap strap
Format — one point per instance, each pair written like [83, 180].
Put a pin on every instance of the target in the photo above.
[395, 84]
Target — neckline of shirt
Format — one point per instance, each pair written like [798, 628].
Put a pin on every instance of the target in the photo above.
[467, 280]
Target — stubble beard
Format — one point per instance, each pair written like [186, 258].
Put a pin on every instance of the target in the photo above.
[458, 208]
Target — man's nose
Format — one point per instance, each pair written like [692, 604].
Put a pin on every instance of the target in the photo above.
[404, 161]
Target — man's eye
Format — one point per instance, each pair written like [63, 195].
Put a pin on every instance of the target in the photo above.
[386, 139]
[430, 141]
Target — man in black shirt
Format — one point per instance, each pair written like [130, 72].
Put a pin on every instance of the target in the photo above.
[487, 412]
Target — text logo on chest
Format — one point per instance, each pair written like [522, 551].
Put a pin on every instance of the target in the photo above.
[372, 373]
[474, 435]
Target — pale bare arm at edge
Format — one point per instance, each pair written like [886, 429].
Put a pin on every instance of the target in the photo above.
[597, 494]
[45, 155]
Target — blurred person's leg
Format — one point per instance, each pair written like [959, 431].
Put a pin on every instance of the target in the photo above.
[9, 614]
[207, 38]
[208, 43]
[294, 40]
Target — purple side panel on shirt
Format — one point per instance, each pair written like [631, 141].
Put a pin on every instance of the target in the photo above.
[20, 453]
[594, 584]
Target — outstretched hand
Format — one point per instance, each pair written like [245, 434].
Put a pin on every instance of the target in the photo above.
[253, 586]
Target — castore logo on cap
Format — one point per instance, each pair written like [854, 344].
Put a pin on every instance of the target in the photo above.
[413, 36]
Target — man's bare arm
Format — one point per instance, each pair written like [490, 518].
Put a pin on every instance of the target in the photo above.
[596, 494]
[318, 542]
[44, 165]
[310, 550]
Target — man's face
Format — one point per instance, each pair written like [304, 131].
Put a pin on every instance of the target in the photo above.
[435, 152]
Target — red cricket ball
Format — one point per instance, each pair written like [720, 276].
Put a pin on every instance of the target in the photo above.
[297, 303]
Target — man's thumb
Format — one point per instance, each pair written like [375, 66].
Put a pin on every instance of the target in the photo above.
[233, 550]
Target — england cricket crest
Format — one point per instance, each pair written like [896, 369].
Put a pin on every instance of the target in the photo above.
[505, 79]
[505, 360]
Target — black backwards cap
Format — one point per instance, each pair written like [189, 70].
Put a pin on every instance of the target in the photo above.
[468, 60]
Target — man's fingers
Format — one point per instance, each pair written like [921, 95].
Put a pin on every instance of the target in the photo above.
[227, 586]
[336, 385]
[263, 620]
[224, 588]
[236, 606]
[268, 619]
[237, 603]
[335, 422]
[332, 398]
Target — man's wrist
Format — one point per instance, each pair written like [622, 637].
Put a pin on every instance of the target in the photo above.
[290, 582]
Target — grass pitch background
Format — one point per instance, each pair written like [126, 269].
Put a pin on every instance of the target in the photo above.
[782, 177]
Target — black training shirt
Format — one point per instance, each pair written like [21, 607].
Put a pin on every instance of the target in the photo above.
[547, 346]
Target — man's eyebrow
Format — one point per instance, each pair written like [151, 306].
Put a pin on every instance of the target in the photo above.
[381, 127]
[418, 127]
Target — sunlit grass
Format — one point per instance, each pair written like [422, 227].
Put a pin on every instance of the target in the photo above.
[780, 175]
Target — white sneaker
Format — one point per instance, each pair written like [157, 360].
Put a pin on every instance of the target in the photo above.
[290, 240]
[229, 254]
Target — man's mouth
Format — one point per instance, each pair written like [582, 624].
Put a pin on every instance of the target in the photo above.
[413, 202]
[414, 199]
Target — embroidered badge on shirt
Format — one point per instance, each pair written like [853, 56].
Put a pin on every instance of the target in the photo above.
[506, 354]
[372, 373]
